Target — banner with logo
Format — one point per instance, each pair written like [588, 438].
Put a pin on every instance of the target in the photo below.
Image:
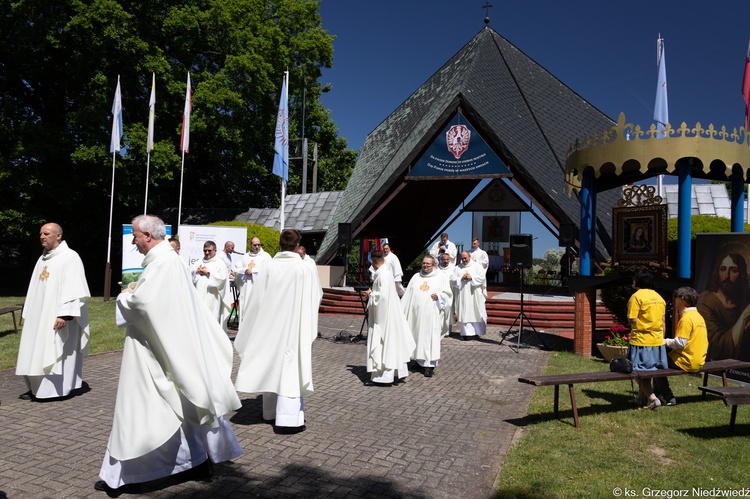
[131, 259]
[459, 151]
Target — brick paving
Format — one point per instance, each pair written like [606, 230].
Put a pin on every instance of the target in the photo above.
[438, 437]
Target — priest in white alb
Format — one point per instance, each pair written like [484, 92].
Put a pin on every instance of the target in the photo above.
[478, 254]
[427, 294]
[389, 339]
[55, 334]
[392, 261]
[210, 279]
[445, 266]
[175, 388]
[275, 339]
[246, 272]
[469, 283]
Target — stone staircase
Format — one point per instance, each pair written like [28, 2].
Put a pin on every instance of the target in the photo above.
[549, 314]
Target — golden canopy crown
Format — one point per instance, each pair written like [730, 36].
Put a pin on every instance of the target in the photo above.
[626, 153]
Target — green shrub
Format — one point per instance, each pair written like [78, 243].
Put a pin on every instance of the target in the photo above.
[268, 236]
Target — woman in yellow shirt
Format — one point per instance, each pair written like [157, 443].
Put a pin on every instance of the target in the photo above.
[646, 309]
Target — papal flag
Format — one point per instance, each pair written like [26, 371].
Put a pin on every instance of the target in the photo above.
[151, 114]
[185, 137]
[281, 145]
[114, 145]
[661, 107]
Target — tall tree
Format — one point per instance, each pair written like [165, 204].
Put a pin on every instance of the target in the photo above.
[59, 63]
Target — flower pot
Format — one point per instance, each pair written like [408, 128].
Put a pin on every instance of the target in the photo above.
[610, 352]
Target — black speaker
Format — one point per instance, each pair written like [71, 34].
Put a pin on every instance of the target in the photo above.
[567, 235]
[521, 252]
[345, 233]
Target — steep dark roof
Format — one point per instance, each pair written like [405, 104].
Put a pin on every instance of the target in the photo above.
[525, 114]
[308, 213]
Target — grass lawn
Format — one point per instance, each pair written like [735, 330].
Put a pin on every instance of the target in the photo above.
[671, 448]
[105, 336]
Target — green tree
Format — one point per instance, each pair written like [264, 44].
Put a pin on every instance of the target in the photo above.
[59, 67]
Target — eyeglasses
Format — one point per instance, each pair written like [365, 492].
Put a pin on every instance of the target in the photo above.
[209, 250]
[256, 244]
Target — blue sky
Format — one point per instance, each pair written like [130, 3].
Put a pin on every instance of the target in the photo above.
[604, 51]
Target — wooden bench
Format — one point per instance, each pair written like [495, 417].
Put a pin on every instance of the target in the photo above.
[714, 367]
[732, 395]
[12, 310]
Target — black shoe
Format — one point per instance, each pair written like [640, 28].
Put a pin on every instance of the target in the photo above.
[399, 381]
[464, 338]
[128, 488]
[428, 372]
[203, 471]
[372, 383]
[288, 430]
[27, 396]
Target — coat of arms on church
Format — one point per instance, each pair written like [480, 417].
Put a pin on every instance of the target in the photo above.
[457, 140]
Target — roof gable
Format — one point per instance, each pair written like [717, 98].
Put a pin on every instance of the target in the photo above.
[524, 113]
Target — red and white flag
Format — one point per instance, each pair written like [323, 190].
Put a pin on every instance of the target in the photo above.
[185, 137]
[746, 87]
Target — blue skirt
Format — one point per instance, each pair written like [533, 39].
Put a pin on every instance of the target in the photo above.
[648, 358]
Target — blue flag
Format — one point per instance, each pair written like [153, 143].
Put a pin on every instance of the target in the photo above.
[281, 145]
[114, 145]
[661, 107]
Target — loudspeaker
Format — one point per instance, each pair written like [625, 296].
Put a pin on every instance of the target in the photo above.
[567, 235]
[345, 233]
[521, 252]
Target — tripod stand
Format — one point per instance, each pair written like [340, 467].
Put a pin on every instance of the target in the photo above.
[520, 318]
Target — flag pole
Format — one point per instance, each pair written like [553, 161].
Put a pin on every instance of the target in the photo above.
[661, 104]
[281, 216]
[148, 164]
[108, 268]
[184, 142]
[150, 135]
[179, 208]
[281, 143]
[114, 148]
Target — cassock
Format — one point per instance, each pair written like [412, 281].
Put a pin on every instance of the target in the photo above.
[213, 287]
[449, 310]
[255, 262]
[470, 296]
[275, 339]
[480, 256]
[175, 386]
[394, 263]
[424, 315]
[389, 339]
[52, 361]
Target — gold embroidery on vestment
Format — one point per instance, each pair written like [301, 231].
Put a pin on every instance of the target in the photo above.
[424, 286]
[44, 275]
[251, 265]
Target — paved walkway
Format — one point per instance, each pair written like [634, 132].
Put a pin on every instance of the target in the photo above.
[440, 437]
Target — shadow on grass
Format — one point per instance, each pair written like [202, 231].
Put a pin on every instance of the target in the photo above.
[721, 430]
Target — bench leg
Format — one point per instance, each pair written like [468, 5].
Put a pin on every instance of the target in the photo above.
[732, 418]
[15, 325]
[724, 378]
[557, 398]
[575, 407]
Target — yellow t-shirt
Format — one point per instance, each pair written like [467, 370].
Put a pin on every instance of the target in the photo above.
[692, 327]
[647, 307]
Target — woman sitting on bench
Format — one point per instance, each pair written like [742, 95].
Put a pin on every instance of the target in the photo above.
[646, 309]
[689, 345]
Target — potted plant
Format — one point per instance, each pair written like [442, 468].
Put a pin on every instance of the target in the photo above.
[615, 344]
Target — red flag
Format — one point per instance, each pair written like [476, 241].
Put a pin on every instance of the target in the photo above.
[746, 87]
[185, 137]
